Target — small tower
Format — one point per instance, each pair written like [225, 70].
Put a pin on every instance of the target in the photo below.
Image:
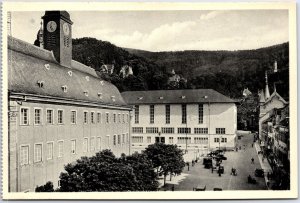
[58, 35]
[41, 36]
[275, 67]
[267, 93]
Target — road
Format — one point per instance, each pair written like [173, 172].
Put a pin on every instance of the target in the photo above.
[241, 160]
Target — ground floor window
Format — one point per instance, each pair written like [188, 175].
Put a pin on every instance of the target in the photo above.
[24, 155]
[184, 140]
[223, 139]
[171, 140]
[201, 140]
[216, 139]
[137, 139]
[148, 139]
[38, 152]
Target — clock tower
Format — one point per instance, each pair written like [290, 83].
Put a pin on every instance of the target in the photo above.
[58, 35]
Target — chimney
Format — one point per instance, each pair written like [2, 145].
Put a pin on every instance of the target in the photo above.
[58, 35]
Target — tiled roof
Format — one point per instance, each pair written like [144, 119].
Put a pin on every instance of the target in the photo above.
[175, 97]
[32, 70]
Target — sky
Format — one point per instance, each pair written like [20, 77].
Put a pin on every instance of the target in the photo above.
[170, 30]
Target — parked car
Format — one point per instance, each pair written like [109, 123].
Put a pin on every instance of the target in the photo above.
[207, 160]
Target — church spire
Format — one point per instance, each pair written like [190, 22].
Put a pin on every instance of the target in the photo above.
[267, 93]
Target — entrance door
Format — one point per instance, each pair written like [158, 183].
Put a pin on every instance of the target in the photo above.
[160, 139]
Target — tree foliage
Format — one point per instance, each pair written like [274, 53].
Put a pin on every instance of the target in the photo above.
[48, 187]
[105, 172]
[167, 158]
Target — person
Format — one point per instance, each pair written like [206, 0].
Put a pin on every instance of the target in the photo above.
[212, 169]
[252, 160]
[193, 162]
[188, 165]
[252, 145]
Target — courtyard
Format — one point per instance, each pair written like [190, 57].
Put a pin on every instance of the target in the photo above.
[197, 175]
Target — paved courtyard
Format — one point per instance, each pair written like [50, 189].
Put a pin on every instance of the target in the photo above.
[240, 160]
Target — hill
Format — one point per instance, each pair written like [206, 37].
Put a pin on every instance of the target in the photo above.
[228, 72]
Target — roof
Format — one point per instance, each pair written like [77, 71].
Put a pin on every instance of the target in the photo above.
[275, 94]
[30, 66]
[175, 97]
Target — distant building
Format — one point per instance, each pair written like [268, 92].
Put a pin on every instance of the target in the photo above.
[197, 120]
[126, 71]
[59, 109]
[108, 69]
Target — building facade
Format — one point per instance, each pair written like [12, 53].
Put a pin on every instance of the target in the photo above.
[195, 120]
[59, 109]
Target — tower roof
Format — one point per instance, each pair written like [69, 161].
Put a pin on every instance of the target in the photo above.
[262, 97]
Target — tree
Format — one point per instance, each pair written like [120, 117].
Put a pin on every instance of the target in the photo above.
[48, 187]
[143, 170]
[105, 172]
[168, 159]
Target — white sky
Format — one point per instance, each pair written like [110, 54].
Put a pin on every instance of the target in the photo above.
[170, 30]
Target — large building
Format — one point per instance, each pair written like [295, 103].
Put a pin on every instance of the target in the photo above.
[197, 120]
[59, 109]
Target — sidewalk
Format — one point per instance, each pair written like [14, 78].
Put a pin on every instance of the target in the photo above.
[264, 165]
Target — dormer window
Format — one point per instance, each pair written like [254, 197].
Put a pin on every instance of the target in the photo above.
[64, 88]
[140, 98]
[161, 97]
[113, 98]
[99, 95]
[47, 66]
[40, 83]
[182, 97]
[87, 78]
[86, 93]
[70, 73]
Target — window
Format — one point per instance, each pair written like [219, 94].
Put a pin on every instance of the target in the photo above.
[98, 117]
[50, 150]
[98, 144]
[85, 144]
[60, 116]
[223, 139]
[167, 130]
[115, 140]
[123, 116]
[151, 113]
[85, 117]
[119, 139]
[119, 118]
[136, 113]
[184, 140]
[151, 130]
[200, 130]
[107, 117]
[167, 114]
[171, 140]
[183, 111]
[127, 137]
[123, 138]
[24, 155]
[24, 116]
[184, 130]
[37, 116]
[201, 140]
[73, 117]
[148, 139]
[49, 116]
[92, 143]
[92, 117]
[38, 152]
[137, 139]
[73, 146]
[127, 118]
[220, 130]
[115, 119]
[137, 130]
[216, 139]
[200, 112]
[60, 146]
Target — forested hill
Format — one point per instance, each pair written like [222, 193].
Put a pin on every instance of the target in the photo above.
[228, 72]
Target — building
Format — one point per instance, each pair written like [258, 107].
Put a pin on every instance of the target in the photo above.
[126, 71]
[59, 109]
[196, 120]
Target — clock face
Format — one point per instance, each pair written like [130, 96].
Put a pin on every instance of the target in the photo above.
[51, 26]
[66, 29]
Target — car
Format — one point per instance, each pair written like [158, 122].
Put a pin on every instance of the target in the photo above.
[207, 160]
